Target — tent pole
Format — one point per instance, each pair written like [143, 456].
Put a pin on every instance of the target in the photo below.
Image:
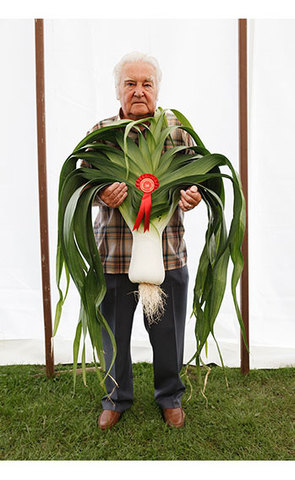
[42, 178]
[243, 144]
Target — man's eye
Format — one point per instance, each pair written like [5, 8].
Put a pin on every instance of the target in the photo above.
[147, 85]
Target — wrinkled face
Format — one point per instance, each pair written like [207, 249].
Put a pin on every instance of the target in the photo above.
[138, 90]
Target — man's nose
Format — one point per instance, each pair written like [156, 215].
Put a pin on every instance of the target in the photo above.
[138, 92]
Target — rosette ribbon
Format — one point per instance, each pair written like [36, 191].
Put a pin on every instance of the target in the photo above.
[147, 183]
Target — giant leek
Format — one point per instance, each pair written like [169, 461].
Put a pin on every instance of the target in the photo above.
[114, 157]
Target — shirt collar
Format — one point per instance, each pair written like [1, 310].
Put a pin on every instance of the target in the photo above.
[120, 115]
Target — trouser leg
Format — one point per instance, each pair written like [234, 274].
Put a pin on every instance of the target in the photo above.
[118, 308]
[167, 339]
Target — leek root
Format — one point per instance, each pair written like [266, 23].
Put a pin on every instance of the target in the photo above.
[153, 300]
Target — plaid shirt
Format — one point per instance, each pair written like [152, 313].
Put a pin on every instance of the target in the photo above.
[112, 235]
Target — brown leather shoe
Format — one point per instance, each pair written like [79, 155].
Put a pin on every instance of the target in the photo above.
[174, 417]
[108, 418]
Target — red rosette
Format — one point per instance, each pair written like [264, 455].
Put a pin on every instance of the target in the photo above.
[146, 183]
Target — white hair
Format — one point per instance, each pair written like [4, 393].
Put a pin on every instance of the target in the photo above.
[136, 57]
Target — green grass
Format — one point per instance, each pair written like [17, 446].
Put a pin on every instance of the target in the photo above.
[253, 419]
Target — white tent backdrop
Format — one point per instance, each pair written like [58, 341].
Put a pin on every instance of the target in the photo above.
[199, 59]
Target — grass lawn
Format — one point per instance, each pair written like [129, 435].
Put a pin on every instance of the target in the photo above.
[41, 419]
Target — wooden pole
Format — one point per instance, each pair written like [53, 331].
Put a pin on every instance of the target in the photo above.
[42, 178]
[243, 124]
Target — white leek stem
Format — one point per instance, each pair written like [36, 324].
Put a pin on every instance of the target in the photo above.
[146, 265]
[147, 269]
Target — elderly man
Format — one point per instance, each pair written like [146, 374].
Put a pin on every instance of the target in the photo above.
[137, 78]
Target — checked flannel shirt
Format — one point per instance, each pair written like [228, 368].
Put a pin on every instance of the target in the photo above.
[112, 235]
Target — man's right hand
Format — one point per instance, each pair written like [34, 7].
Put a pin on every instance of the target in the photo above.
[114, 195]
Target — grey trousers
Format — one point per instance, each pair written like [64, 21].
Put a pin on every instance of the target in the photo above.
[166, 337]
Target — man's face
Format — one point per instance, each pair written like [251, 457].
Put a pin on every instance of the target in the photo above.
[138, 90]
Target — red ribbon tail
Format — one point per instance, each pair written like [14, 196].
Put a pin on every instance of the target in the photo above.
[148, 206]
[139, 216]
[144, 210]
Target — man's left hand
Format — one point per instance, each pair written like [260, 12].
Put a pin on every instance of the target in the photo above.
[189, 198]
